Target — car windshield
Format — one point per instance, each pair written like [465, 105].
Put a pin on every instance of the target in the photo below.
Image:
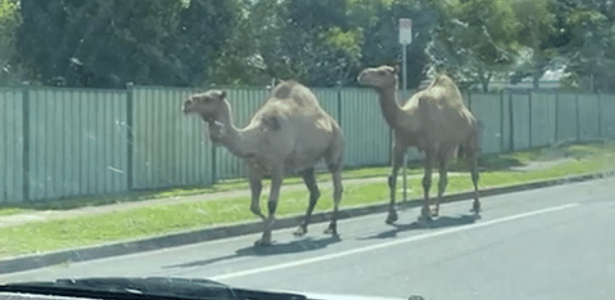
[454, 149]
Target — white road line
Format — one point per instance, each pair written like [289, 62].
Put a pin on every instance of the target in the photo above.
[392, 243]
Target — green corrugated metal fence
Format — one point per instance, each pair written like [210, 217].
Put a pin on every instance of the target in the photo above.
[76, 143]
[169, 149]
[11, 146]
[59, 142]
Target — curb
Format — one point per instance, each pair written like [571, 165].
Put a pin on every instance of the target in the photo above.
[29, 262]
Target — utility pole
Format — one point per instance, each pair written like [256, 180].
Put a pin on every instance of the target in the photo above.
[405, 38]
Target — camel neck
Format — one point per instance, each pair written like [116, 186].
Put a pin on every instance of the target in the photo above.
[390, 108]
[237, 141]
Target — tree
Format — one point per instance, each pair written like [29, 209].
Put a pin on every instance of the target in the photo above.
[474, 41]
[380, 23]
[307, 41]
[591, 46]
[14, 68]
[537, 31]
[107, 43]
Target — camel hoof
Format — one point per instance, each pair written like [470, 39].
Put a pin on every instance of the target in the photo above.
[332, 229]
[391, 218]
[426, 214]
[262, 243]
[425, 218]
[475, 208]
[300, 231]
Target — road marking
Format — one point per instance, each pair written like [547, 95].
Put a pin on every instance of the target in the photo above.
[392, 243]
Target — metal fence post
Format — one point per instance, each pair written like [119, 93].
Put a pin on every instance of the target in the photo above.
[529, 103]
[25, 98]
[501, 121]
[339, 107]
[578, 117]
[129, 135]
[599, 114]
[511, 120]
[214, 165]
[555, 140]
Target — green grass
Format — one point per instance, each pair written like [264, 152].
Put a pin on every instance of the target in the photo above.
[140, 222]
[222, 186]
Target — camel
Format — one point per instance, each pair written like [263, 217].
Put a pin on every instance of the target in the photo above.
[434, 120]
[289, 133]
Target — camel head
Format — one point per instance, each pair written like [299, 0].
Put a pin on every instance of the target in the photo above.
[380, 77]
[208, 104]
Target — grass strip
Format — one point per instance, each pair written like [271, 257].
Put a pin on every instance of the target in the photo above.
[147, 221]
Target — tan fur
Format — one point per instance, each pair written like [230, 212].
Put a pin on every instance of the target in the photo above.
[434, 120]
[290, 132]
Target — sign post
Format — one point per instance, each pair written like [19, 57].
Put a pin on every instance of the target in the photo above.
[405, 38]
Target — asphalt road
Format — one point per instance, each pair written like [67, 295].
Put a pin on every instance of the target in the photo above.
[551, 243]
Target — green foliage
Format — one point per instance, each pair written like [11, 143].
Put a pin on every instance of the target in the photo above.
[380, 22]
[107, 43]
[13, 66]
[591, 50]
[474, 41]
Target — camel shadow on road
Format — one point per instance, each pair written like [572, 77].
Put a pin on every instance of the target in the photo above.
[440, 222]
[296, 246]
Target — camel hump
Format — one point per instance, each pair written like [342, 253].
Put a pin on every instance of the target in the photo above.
[284, 89]
[443, 80]
[294, 92]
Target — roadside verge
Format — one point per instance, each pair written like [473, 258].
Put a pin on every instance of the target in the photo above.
[28, 262]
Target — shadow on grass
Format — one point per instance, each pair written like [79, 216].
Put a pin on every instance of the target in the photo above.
[302, 245]
[440, 222]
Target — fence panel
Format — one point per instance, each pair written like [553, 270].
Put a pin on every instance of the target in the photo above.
[543, 119]
[12, 146]
[486, 108]
[506, 122]
[566, 117]
[78, 139]
[329, 101]
[169, 148]
[367, 134]
[521, 121]
[607, 111]
[77, 142]
[588, 116]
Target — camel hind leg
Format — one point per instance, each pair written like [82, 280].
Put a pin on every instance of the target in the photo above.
[444, 158]
[472, 159]
[334, 159]
[429, 157]
[337, 197]
[310, 182]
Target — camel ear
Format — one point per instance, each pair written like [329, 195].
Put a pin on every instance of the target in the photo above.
[396, 69]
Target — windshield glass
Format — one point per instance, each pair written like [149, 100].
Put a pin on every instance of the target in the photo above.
[457, 149]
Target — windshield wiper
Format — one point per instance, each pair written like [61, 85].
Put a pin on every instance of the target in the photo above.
[143, 288]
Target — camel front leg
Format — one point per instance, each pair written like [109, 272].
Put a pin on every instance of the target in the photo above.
[398, 158]
[337, 197]
[276, 183]
[425, 213]
[256, 186]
